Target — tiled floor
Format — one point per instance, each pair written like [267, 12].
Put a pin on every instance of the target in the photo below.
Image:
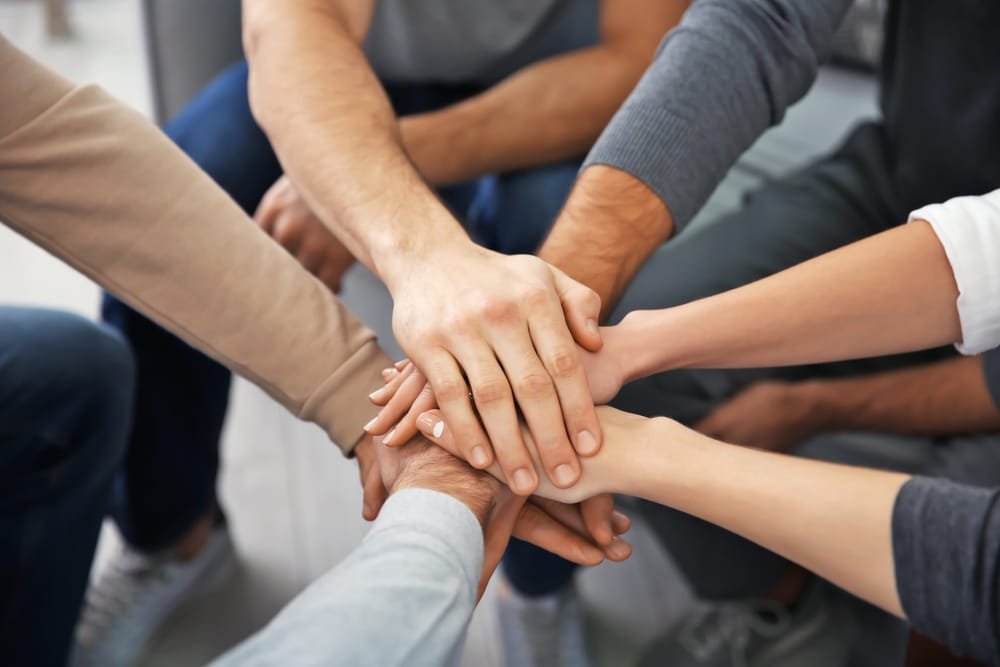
[293, 501]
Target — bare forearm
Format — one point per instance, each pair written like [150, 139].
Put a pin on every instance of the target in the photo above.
[609, 227]
[335, 133]
[945, 398]
[833, 520]
[894, 292]
[545, 113]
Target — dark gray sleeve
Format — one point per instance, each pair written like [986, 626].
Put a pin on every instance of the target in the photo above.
[719, 79]
[991, 373]
[946, 547]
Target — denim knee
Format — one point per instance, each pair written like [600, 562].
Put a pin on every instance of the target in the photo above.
[67, 381]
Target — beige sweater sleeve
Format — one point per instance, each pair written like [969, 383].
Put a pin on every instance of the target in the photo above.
[98, 186]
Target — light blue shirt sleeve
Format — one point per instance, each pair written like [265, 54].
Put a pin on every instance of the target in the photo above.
[403, 597]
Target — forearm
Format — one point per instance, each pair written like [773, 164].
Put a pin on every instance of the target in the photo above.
[894, 292]
[946, 397]
[834, 520]
[404, 596]
[313, 92]
[550, 111]
[97, 185]
[612, 222]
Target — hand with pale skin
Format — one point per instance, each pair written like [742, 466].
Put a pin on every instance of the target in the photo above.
[407, 395]
[287, 218]
[549, 524]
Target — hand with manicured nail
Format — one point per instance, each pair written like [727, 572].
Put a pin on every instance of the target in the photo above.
[558, 527]
[601, 473]
[494, 335]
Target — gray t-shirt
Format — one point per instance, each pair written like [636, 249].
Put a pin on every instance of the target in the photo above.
[473, 41]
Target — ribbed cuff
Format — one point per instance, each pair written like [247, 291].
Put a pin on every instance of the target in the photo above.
[969, 230]
[655, 146]
[340, 405]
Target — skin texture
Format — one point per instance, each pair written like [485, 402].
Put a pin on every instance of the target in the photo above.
[572, 97]
[949, 397]
[508, 334]
[874, 303]
[551, 524]
[664, 462]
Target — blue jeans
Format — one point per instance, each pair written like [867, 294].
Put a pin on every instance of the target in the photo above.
[168, 480]
[66, 389]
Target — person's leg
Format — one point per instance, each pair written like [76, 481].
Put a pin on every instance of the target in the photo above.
[168, 482]
[65, 402]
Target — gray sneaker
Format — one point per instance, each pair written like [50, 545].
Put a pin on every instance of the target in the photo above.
[819, 632]
[136, 592]
[542, 632]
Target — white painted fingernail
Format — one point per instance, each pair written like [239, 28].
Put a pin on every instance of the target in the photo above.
[438, 430]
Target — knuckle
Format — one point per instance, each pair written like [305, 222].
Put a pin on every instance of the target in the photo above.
[497, 308]
[563, 363]
[491, 390]
[535, 297]
[448, 388]
[534, 385]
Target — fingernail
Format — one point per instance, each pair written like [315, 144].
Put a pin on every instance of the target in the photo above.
[586, 443]
[621, 519]
[367, 510]
[591, 325]
[565, 476]
[368, 426]
[388, 437]
[523, 480]
[590, 554]
[376, 394]
[479, 457]
[387, 373]
[438, 430]
[618, 547]
[429, 424]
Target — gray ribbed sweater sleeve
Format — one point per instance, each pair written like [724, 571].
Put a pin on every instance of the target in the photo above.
[719, 79]
[946, 547]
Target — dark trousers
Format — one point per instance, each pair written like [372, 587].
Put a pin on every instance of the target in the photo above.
[65, 403]
[834, 202]
[172, 461]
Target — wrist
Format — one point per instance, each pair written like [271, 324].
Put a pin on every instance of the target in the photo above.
[824, 408]
[439, 240]
[474, 490]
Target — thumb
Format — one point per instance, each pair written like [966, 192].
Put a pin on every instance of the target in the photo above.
[582, 308]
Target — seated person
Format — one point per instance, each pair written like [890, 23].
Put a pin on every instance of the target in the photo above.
[76, 170]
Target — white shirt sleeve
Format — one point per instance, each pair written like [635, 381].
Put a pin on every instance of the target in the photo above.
[969, 230]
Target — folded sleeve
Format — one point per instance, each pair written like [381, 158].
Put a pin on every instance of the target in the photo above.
[946, 549]
[969, 231]
[403, 597]
[101, 188]
[725, 74]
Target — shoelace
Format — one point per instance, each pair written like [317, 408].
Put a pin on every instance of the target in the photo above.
[733, 624]
[123, 581]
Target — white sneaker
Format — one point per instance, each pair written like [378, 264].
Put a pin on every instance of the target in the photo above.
[137, 592]
[546, 631]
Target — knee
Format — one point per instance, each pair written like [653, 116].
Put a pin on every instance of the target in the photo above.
[65, 360]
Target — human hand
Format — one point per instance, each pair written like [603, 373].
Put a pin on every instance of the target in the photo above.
[287, 218]
[602, 473]
[508, 324]
[557, 527]
[770, 415]
[373, 488]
